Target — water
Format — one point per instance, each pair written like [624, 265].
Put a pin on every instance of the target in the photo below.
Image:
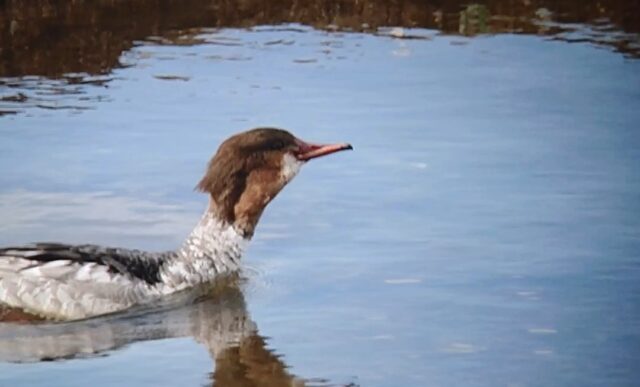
[484, 232]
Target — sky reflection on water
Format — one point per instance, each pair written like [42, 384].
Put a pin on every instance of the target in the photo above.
[484, 232]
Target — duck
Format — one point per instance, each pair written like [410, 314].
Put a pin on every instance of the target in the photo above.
[57, 281]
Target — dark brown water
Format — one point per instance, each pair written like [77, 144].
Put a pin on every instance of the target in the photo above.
[483, 233]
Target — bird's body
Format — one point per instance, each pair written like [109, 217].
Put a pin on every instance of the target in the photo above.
[78, 281]
[67, 282]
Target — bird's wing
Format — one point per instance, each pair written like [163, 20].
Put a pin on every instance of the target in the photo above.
[133, 263]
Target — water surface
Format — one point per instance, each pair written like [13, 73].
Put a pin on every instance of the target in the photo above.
[484, 232]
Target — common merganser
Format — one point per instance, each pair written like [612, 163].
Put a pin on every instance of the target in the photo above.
[69, 282]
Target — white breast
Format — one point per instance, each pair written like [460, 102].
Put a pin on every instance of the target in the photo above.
[212, 248]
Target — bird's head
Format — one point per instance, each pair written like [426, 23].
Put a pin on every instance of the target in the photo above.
[250, 168]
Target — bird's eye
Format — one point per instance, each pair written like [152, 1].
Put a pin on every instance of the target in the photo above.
[275, 145]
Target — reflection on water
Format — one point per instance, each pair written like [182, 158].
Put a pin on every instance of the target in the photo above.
[100, 213]
[82, 43]
[64, 93]
[219, 321]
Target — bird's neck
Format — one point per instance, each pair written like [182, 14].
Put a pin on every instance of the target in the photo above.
[214, 247]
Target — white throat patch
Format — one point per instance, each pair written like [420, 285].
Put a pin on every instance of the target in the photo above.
[290, 167]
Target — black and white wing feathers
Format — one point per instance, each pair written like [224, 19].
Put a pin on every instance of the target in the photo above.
[133, 263]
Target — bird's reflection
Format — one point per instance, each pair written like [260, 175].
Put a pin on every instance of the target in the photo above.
[217, 318]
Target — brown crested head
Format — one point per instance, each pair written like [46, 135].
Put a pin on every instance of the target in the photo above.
[250, 168]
